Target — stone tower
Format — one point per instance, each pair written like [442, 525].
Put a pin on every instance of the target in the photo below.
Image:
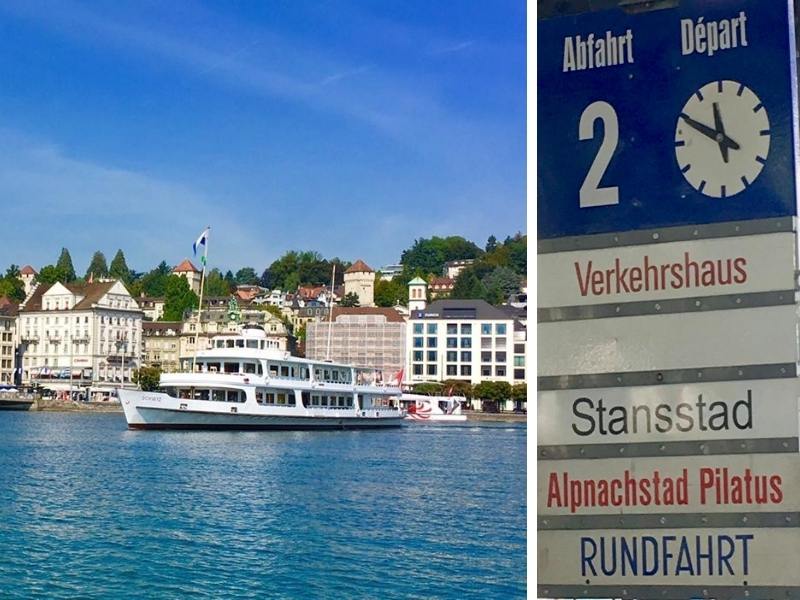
[417, 294]
[360, 280]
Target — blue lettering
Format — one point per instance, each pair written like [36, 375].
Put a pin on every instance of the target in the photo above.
[608, 571]
[684, 552]
[665, 554]
[725, 557]
[587, 560]
[628, 552]
[654, 545]
[745, 537]
[708, 556]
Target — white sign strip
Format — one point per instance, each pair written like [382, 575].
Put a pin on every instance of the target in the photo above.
[725, 410]
[686, 484]
[676, 341]
[756, 263]
[725, 556]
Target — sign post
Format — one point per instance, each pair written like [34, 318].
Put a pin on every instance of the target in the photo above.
[668, 315]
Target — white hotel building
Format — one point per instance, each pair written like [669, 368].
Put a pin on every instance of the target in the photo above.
[84, 338]
[460, 339]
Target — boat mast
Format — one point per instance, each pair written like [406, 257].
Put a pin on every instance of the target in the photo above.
[330, 314]
[200, 307]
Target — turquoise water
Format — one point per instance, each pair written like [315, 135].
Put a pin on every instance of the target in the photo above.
[90, 509]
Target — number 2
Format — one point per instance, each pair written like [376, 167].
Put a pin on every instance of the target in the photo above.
[591, 194]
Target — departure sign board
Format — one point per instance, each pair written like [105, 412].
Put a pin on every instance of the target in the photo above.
[668, 351]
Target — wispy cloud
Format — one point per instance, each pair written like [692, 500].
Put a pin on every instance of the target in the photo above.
[452, 48]
[63, 201]
[343, 74]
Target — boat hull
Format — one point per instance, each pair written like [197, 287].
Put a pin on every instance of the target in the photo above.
[148, 411]
[6, 404]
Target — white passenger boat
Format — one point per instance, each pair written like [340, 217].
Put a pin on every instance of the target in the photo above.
[245, 382]
[433, 408]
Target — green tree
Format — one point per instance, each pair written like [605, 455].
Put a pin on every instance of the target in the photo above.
[491, 244]
[246, 276]
[519, 392]
[154, 283]
[119, 268]
[11, 285]
[428, 388]
[350, 299]
[148, 378]
[65, 264]
[215, 285]
[230, 280]
[97, 266]
[51, 274]
[390, 293]
[500, 284]
[468, 286]
[178, 298]
[429, 255]
[457, 387]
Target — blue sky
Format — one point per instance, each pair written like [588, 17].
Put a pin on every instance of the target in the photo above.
[349, 128]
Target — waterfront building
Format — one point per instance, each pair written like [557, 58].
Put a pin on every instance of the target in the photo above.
[191, 273]
[80, 337]
[453, 267]
[8, 341]
[359, 279]
[460, 339]
[303, 315]
[161, 344]
[228, 318]
[440, 287]
[389, 272]
[417, 294]
[367, 337]
[153, 308]
[28, 276]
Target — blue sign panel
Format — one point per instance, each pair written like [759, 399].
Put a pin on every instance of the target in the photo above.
[669, 117]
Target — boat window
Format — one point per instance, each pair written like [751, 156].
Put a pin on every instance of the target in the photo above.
[240, 343]
[304, 372]
[219, 343]
[252, 344]
[201, 394]
[231, 367]
[284, 371]
[249, 367]
[183, 394]
[218, 395]
[229, 343]
[317, 374]
[170, 391]
[281, 398]
[305, 398]
[260, 396]
[273, 370]
[327, 375]
[213, 367]
[335, 375]
[260, 369]
[233, 395]
[261, 344]
[271, 398]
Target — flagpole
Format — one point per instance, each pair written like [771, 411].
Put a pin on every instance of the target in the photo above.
[204, 260]
[330, 314]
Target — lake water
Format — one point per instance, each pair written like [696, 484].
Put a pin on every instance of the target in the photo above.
[90, 509]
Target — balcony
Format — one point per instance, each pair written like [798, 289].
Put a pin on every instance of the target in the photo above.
[29, 337]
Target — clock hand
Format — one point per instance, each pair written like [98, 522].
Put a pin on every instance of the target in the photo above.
[719, 138]
[704, 129]
[723, 148]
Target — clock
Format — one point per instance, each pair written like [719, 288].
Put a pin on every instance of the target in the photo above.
[722, 138]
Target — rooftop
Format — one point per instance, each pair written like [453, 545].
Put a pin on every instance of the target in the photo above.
[392, 316]
[186, 267]
[90, 293]
[359, 267]
[461, 309]
[27, 270]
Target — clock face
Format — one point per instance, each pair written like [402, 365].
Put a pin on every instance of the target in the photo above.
[722, 138]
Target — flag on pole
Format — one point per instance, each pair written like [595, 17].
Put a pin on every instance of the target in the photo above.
[202, 241]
